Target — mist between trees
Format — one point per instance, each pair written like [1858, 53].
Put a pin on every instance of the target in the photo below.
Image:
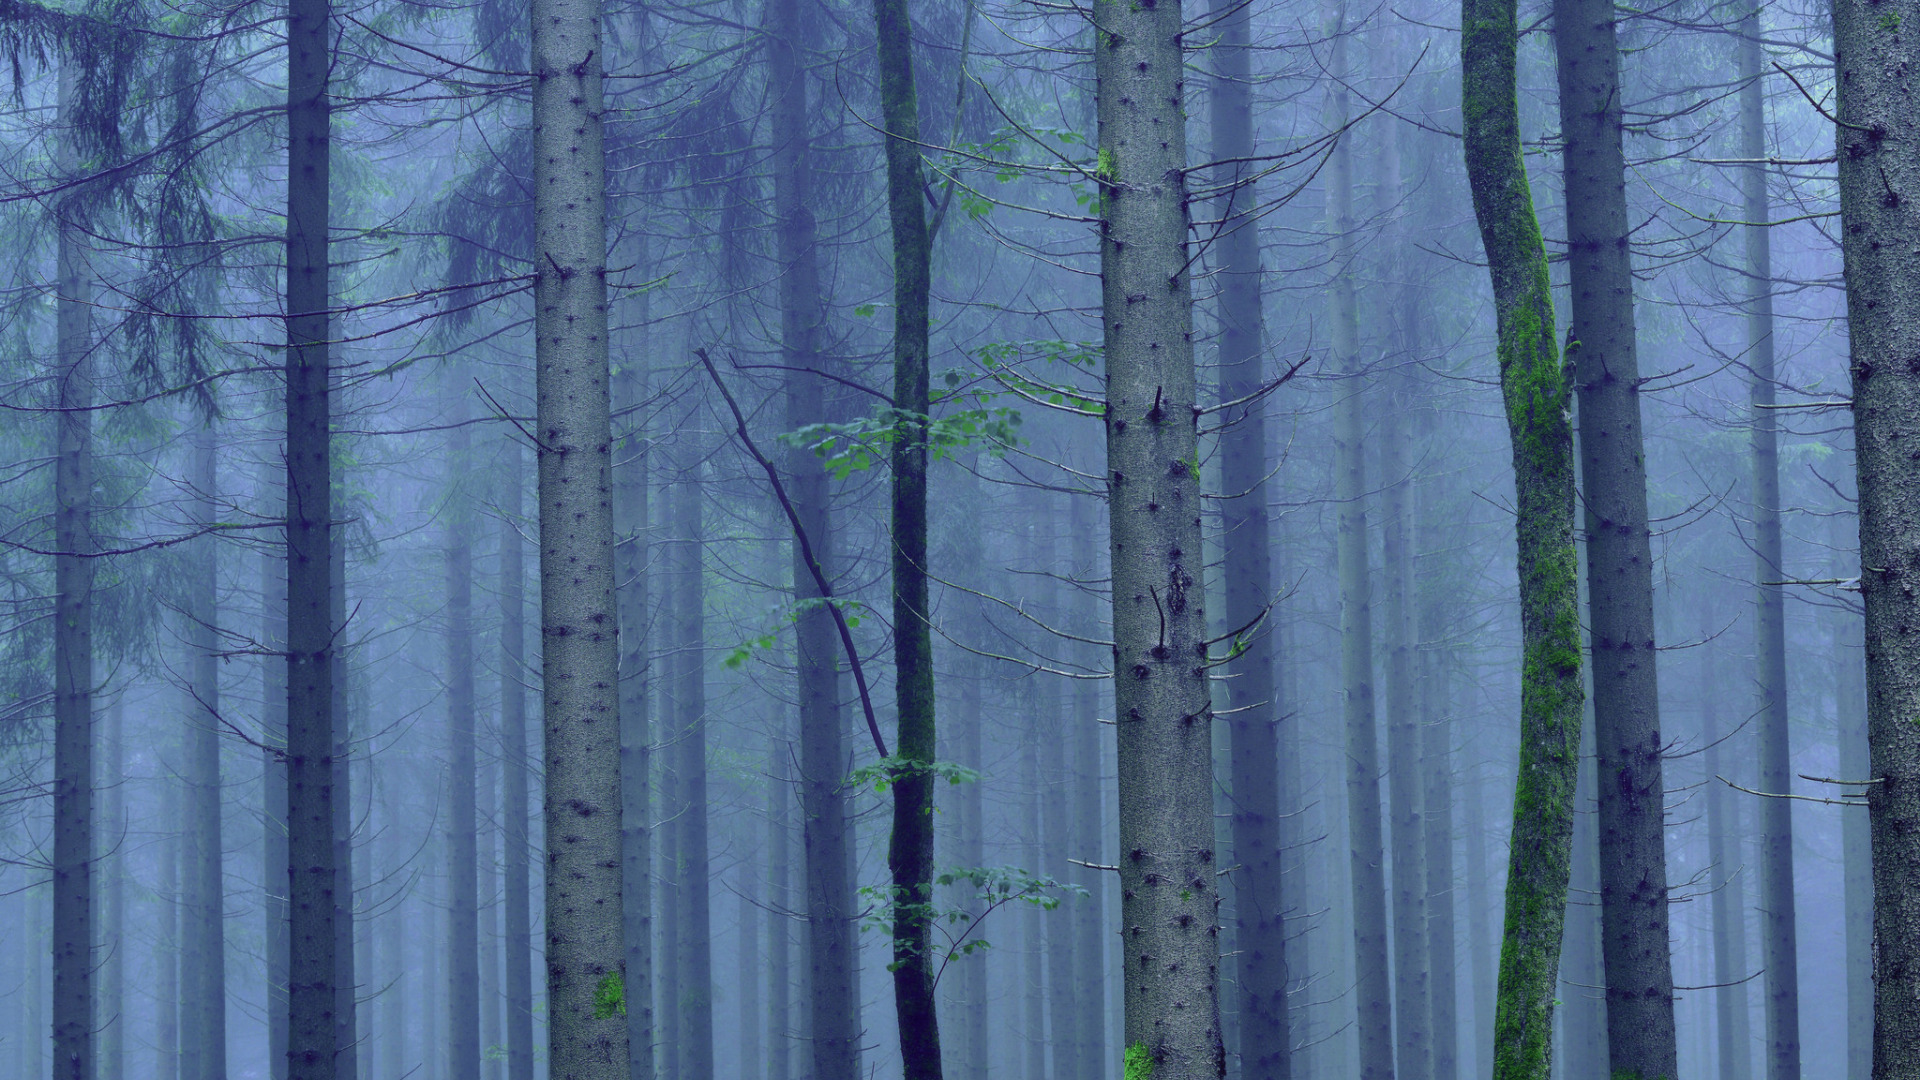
[953, 539]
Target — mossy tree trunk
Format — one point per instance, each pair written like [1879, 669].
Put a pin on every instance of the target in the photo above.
[1877, 68]
[1164, 720]
[1636, 955]
[1534, 389]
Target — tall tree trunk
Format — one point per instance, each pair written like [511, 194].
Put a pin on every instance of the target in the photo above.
[1626, 692]
[1534, 387]
[1366, 855]
[834, 1007]
[273, 777]
[1725, 881]
[204, 954]
[1265, 1043]
[1432, 666]
[113, 1015]
[492, 1031]
[1876, 69]
[165, 955]
[631, 508]
[1480, 915]
[1049, 723]
[514, 773]
[397, 992]
[1033, 993]
[1583, 1004]
[1089, 911]
[693, 946]
[587, 1038]
[73, 574]
[463, 885]
[780, 1026]
[1856, 844]
[749, 970]
[1779, 945]
[910, 849]
[346, 982]
[1161, 668]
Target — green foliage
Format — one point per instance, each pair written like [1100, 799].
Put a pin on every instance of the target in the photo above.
[1139, 1062]
[610, 997]
[857, 446]
[888, 771]
[993, 886]
[743, 652]
[1005, 358]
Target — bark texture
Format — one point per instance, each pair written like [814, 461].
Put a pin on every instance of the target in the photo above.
[1626, 693]
[579, 621]
[1877, 68]
[1168, 896]
[1534, 389]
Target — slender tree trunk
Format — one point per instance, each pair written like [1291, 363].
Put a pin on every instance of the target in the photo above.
[910, 850]
[1167, 866]
[1265, 1043]
[492, 1031]
[1876, 66]
[1366, 853]
[396, 985]
[779, 904]
[834, 1007]
[1436, 751]
[1412, 979]
[463, 886]
[749, 969]
[1089, 911]
[1033, 989]
[1726, 881]
[1583, 1004]
[73, 574]
[346, 982]
[273, 781]
[587, 1039]
[1779, 946]
[1856, 844]
[514, 773]
[165, 955]
[204, 954]
[1534, 387]
[693, 948]
[312, 1000]
[1480, 915]
[1626, 694]
[113, 1015]
[631, 478]
[1053, 819]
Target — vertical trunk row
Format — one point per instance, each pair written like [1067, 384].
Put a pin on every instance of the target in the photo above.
[587, 1036]
[693, 954]
[204, 1052]
[834, 1012]
[309, 506]
[630, 527]
[517, 854]
[1534, 388]
[1365, 847]
[1265, 1037]
[1876, 66]
[910, 849]
[1779, 945]
[1161, 668]
[1626, 695]
[463, 913]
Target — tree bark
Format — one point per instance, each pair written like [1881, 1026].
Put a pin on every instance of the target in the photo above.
[463, 885]
[514, 774]
[834, 1005]
[631, 511]
[1856, 845]
[204, 954]
[1876, 66]
[1626, 694]
[1265, 1043]
[1366, 854]
[273, 781]
[310, 815]
[1534, 388]
[587, 1038]
[1161, 668]
[910, 849]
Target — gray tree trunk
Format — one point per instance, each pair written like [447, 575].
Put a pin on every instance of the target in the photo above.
[1436, 766]
[781, 1027]
[693, 955]
[834, 1007]
[111, 1002]
[73, 575]
[1856, 843]
[514, 770]
[1583, 1001]
[463, 886]
[1168, 893]
[273, 780]
[587, 1039]
[397, 989]
[1366, 855]
[1726, 876]
[1088, 912]
[631, 513]
[204, 1052]
[165, 957]
[1480, 920]
[346, 982]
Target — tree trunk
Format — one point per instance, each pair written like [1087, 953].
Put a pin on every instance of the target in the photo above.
[346, 983]
[1583, 1005]
[693, 944]
[1167, 866]
[834, 1007]
[1876, 66]
[910, 849]
[587, 1038]
[1626, 693]
[1856, 845]
[1055, 823]
[1726, 882]
[1089, 911]
[631, 509]
[203, 908]
[397, 991]
[749, 969]
[1432, 665]
[1480, 914]
[73, 573]
[492, 1031]
[1412, 979]
[165, 955]
[1366, 855]
[463, 886]
[273, 780]
[1033, 989]
[514, 774]
[113, 1015]
[1265, 1043]
[310, 816]
[1534, 387]
[780, 1034]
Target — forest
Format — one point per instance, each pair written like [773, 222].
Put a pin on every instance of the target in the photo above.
[960, 540]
